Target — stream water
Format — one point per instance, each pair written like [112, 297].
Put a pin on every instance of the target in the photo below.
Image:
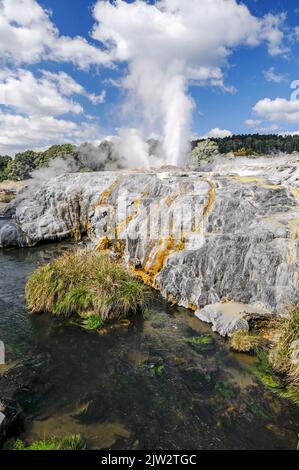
[149, 386]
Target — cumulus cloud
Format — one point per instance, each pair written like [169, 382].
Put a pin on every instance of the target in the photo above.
[43, 96]
[252, 123]
[27, 36]
[38, 102]
[68, 86]
[32, 104]
[221, 133]
[278, 110]
[170, 44]
[272, 76]
[18, 132]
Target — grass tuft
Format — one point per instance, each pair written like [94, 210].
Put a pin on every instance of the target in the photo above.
[157, 370]
[276, 383]
[284, 355]
[93, 322]
[88, 284]
[242, 341]
[202, 340]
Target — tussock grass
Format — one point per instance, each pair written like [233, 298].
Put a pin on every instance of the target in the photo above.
[242, 341]
[88, 284]
[274, 381]
[73, 442]
[283, 357]
[277, 354]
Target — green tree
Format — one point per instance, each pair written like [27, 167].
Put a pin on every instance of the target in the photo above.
[4, 161]
[204, 151]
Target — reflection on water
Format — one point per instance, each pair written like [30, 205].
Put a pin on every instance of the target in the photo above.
[151, 386]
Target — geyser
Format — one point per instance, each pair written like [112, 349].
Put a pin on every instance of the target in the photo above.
[166, 45]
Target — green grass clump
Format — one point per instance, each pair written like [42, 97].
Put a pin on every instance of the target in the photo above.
[201, 343]
[93, 322]
[157, 370]
[242, 341]
[271, 380]
[282, 355]
[86, 283]
[203, 340]
[73, 442]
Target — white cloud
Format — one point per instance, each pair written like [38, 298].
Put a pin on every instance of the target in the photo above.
[27, 35]
[272, 76]
[265, 130]
[97, 99]
[278, 110]
[205, 30]
[77, 51]
[171, 43]
[252, 123]
[272, 32]
[294, 36]
[48, 95]
[19, 132]
[221, 133]
[38, 103]
[286, 133]
[24, 93]
[209, 76]
[68, 86]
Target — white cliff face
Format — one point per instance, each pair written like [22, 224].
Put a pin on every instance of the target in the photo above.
[226, 235]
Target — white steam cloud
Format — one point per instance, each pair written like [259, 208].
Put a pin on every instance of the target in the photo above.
[171, 43]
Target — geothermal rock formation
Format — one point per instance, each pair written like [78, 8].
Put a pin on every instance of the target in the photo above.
[222, 242]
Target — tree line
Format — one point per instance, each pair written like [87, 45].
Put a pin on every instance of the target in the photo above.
[255, 144]
[20, 167]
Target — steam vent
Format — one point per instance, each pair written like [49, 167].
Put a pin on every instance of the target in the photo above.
[204, 239]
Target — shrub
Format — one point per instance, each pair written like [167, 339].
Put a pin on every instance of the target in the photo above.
[205, 151]
[86, 283]
[242, 341]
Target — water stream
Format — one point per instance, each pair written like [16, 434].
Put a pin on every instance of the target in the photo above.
[149, 386]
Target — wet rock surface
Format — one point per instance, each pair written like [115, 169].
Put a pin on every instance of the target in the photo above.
[229, 233]
[10, 419]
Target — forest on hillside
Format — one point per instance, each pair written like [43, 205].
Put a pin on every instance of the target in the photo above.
[24, 163]
[255, 144]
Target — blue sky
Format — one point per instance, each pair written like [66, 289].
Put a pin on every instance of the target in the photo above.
[235, 102]
[222, 110]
